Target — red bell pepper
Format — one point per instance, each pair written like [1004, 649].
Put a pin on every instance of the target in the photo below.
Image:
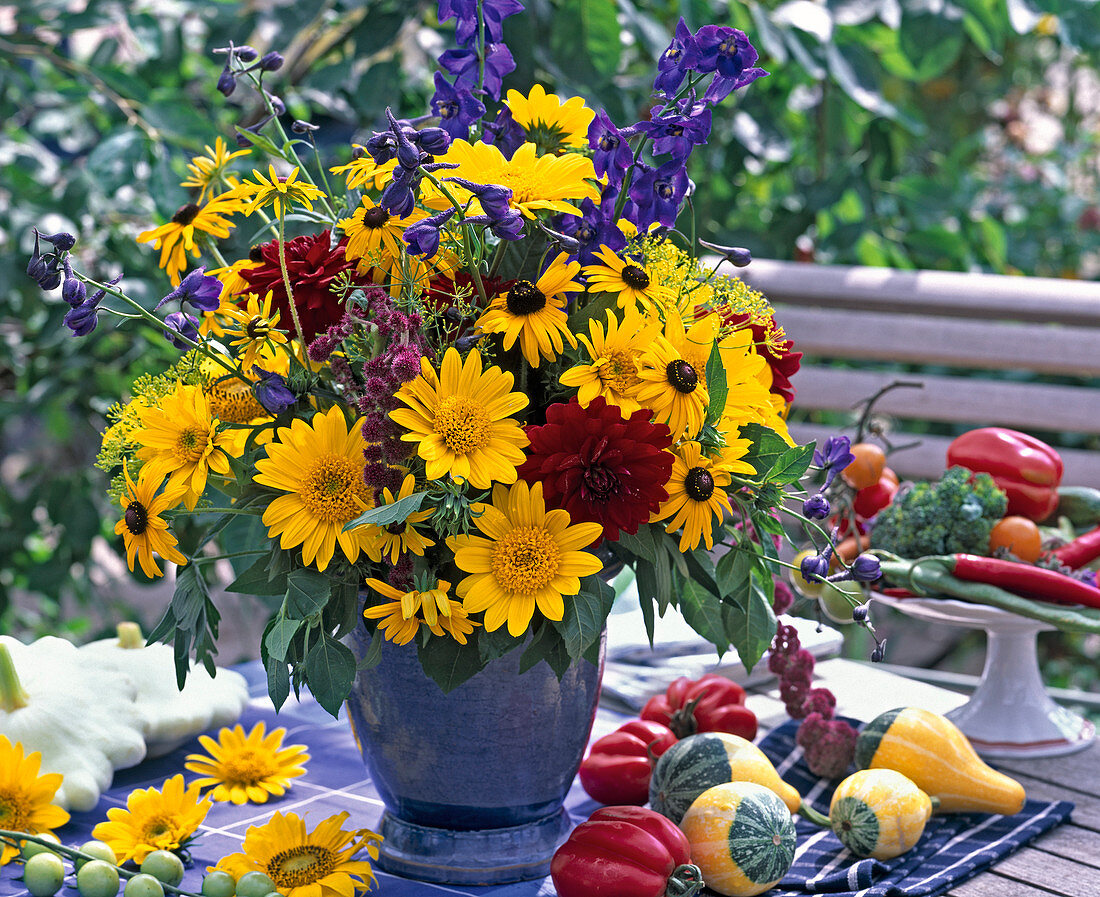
[618, 766]
[625, 852]
[711, 703]
[1026, 468]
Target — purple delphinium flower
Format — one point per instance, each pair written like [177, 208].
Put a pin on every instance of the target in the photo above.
[507, 227]
[271, 391]
[833, 456]
[201, 291]
[675, 62]
[505, 133]
[730, 55]
[657, 194]
[82, 319]
[594, 228]
[422, 237]
[678, 130]
[816, 507]
[464, 65]
[737, 256]
[433, 141]
[495, 200]
[611, 155]
[494, 12]
[181, 324]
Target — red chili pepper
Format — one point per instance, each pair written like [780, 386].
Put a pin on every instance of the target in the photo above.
[1026, 468]
[1082, 550]
[1027, 580]
[618, 766]
[711, 703]
[625, 852]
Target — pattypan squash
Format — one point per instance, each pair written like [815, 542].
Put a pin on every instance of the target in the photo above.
[82, 719]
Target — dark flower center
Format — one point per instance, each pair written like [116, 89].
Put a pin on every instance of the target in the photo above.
[682, 376]
[396, 529]
[375, 218]
[698, 484]
[599, 484]
[257, 328]
[524, 298]
[448, 109]
[185, 214]
[635, 277]
[675, 131]
[136, 517]
[256, 254]
[586, 233]
[664, 189]
[608, 142]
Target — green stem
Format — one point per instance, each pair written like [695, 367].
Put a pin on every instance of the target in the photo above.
[12, 694]
[286, 275]
[472, 264]
[809, 813]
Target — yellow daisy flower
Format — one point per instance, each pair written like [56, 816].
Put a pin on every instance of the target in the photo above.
[696, 495]
[534, 313]
[247, 768]
[397, 538]
[460, 420]
[257, 328]
[26, 798]
[142, 528]
[210, 170]
[527, 557]
[673, 375]
[153, 820]
[613, 371]
[320, 465]
[748, 378]
[274, 190]
[364, 170]
[177, 238]
[181, 439]
[537, 182]
[399, 615]
[551, 124]
[457, 624]
[306, 864]
[231, 398]
[630, 280]
[373, 232]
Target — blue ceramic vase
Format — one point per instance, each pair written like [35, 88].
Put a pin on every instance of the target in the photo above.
[473, 780]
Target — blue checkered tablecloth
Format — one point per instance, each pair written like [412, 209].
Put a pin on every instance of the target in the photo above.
[953, 848]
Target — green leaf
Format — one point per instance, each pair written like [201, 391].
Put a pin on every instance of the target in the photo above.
[749, 623]
[330, 672]
[307, 593]
[854, 70]
[449, 664]
[767, 447]
[585, 615]
[734, 571]
[384, 515]
[257, 580]
[591, 39]
[492, 645]
[717, 385]
[373, 657]
[931, 41]
[258, 140]
[702, 611]
[280, 633]
[640, 545]
[190, 597]
[595, 308]
[792, 465]
[278, 681]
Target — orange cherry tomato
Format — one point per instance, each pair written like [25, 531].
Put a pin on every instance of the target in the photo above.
[1019, 535]
[866, 470]
[888, 474]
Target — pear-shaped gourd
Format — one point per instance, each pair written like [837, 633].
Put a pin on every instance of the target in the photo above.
[699, 762]
[879, 813]
[931, 750]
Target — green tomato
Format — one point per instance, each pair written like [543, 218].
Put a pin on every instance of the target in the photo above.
[99, 851]
[43, 874]
[143, 885]
[254, 884]
[164, 866]
[30, 848]
[839, 599]
[97, 878]
[218, 884]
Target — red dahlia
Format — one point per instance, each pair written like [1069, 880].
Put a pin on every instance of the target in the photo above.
[312, 267]
[784, 364]
[599, 467]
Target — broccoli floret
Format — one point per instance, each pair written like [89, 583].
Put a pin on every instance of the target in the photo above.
[952, 516]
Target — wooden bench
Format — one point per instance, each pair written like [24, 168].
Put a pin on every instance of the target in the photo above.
[1005, 351]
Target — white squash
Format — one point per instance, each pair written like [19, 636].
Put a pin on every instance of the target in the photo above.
[82, 720]
[171, 716]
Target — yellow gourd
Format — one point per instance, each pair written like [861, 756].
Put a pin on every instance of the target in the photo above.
[929, 749]
[879, 813]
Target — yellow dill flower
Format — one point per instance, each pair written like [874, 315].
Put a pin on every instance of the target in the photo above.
[142, 528]
[397, 538]
[178, 237]
[26, 798]
[364, 171]
[257, 328]
[460, 420]
[673, 372]
[210, 170]
[274, 191]
[306, 864]
[549, 123]
[697, 494]
[153, 820]
[628, 279]
[534, 313]
[525, 557]
[247, 768]
[614, 353]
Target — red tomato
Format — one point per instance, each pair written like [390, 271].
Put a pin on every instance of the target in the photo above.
[618, 766]
[868, 502]
[712, 703]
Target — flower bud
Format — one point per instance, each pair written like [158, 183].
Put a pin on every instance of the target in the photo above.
[74, 292]
[879, 653]
[866, 568]
[433, 140]
[62, 241]
[277, 105]
[227, 82]
[245, 53]
[302, 127]
[816, 507]
[814, 568]
[859, 613]
[271, 62]
[180, 324]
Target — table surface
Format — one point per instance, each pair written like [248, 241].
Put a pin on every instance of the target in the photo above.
[1065, 861]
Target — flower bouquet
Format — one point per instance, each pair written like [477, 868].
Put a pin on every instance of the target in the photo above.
[454, 380]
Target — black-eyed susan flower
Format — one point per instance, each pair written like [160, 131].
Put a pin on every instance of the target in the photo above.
[257, 328]
[212, 170]
[178, 237]
[551, 124]
[534, 313]
[525, 558]
[164, 819]
[276, 191]
[397, 538]
[375, 235]
[365, 171]
[241, 768]
[630, 280]
[696, 495]
[142, 528]
[26, 798]
[460, 420]
[301, 863]
[319, 465]
[405, 612]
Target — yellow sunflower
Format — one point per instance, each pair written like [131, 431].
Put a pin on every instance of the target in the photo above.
[614, 353]
[534, 313]
[257, 328]
[142, 528]
[231, 398]
[306, 864]
[26, 798]
[460, 420]
[537, 182]
[551, 124]
[176, 238]
[210, 170]
[275, 190]
[320, 465]
[696, 495]
[527, 557]
[630, 280]
[397, 538]
[365, 170]
[153, 820]
[181, 439]
[404, 612]
[247, 768]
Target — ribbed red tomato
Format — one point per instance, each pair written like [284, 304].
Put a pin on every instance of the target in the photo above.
[618, 766]
[711, 703]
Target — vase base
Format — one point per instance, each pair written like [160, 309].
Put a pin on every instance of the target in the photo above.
[482, 857]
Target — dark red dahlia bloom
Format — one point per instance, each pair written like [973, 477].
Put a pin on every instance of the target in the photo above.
[599, 467]
[312, 267]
